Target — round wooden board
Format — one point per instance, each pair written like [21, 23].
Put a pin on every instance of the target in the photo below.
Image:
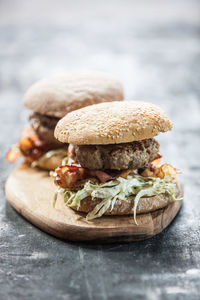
[31, 193]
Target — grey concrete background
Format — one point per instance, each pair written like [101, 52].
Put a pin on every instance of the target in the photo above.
[153, 47]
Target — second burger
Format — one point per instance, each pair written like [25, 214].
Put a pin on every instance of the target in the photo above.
[52, 98]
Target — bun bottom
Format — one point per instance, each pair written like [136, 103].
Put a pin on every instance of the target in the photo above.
[125, 207]
[51, 162]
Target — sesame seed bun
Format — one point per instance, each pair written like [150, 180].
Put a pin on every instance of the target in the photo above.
[56, 96]
[112, 123]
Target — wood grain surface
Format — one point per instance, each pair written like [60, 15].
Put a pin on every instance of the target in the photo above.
[31, 192]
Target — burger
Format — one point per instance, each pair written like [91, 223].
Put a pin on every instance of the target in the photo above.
[49, 100]
[115, 166]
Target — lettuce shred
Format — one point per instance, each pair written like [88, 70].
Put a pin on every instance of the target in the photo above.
[119, 189]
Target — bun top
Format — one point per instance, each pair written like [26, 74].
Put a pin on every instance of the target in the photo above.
[56, 96]
[112, 123]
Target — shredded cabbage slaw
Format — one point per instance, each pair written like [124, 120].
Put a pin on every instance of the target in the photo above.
[119, 189]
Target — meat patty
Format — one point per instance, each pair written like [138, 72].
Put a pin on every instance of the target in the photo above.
[133, 155]
[44, 126]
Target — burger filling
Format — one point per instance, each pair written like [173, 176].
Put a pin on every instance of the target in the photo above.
[34, 148]
[44, 127]
[130, 156]
[115, 172]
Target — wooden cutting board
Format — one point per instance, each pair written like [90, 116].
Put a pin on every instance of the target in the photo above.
[31, 193]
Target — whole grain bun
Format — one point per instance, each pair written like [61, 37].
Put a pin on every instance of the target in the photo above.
[145, 205]
[112, 123]
[56, 96]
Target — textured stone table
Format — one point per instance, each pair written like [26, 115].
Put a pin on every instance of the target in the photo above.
[154, 49]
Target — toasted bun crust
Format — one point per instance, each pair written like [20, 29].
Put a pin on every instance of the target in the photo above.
[145, 205]
[57, 96]
[112, 123]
